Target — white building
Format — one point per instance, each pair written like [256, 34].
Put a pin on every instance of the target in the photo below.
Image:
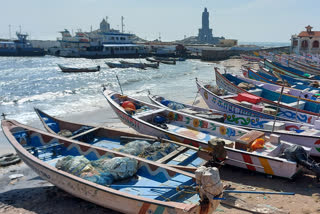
[306, 42]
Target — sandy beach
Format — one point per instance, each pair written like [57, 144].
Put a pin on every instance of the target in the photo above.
[31, 194]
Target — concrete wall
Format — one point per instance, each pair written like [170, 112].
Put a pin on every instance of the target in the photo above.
[216, 55]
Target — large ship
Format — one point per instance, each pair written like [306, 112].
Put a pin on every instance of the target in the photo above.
[19, 47]
[101, 43]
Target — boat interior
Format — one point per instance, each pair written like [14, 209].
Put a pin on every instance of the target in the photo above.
[150, 181]
[117, 140]
[173, 123]
[287, 100]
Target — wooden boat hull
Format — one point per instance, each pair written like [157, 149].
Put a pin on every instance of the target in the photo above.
[287, 70]
[310, 139]
[262, 82]
[209, 129]
[296, 83]
[119, 65]
[134, 65]
[152, 65]
[78, 70]
[161, 61]
[250, 58]
[300, 66]
[284, 112]
[102, 195]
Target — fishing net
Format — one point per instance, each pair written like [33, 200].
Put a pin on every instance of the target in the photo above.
[157, 151]
[65, 133]
[147, 150]
[175, 106]
[118, 167]
[103, 171]
[245, 85]
[134, 147]
[216, 90]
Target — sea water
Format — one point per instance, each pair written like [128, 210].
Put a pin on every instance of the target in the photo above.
[28, 82]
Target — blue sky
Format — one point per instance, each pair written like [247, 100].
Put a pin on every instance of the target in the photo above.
[245, 20]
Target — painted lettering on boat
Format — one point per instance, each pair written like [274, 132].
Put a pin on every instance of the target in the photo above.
[128, 120]
[60, 181]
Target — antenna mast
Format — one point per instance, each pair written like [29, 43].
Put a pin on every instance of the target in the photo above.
[9, 31]
[122, 24]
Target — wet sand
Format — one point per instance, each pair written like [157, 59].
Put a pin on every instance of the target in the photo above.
[31, 194]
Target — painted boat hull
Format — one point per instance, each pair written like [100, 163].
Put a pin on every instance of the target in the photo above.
[243, 159]
[253, 123]
[95, 193]
[250, 58]
[284, 112]
[292, 72]
[262, 82]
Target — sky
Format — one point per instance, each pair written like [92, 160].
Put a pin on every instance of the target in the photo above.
[244, 20]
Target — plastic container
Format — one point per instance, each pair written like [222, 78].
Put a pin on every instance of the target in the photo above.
[257, 144]
[248, 97]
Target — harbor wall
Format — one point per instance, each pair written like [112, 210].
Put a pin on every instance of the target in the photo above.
[216, 55]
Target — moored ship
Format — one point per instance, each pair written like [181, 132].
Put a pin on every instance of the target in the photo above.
[19, 47]
[101, 43]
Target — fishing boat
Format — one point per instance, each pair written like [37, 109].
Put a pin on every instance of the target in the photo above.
[295, 85]
[161, 61]
[265, 101]
[172, 153]
[292, 132]
[120, 65]
[269, 74]
[169, 58]
[250, 58]
[181, 127]
[152, 65]
[133, 64]
[277, 67]
[265, 70]
[305, 67]
[75, 70]
[20, 47]
[305, 95]
[112, 179]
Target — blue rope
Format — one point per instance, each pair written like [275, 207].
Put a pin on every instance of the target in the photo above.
[257, 192]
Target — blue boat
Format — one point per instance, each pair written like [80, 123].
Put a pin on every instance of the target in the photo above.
[20, 47]
[286, 99]
[284, 80]
[288, 108]
[292, 72]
